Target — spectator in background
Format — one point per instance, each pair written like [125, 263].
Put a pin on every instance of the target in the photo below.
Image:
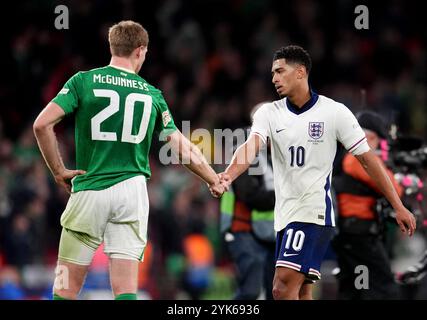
[19, 242]
[247, 220]
[10, 284]
[199, 262]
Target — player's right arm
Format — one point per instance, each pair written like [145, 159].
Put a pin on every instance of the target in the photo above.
[242, 159]
[246, 153]
[191, 157]
[48, 144]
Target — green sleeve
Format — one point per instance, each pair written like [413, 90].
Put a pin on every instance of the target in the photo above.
[164, 122]
[68, 97]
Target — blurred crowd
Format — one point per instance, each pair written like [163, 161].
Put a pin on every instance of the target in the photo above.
[212, 60]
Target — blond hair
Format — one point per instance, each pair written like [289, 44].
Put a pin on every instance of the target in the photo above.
[126, 36]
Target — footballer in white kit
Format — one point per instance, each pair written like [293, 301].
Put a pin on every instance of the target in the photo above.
[304, 142]
[304, 129]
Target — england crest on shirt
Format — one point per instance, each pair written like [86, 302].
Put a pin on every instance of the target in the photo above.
[316, 129]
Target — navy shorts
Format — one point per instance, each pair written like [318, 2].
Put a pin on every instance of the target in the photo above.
[302, 246]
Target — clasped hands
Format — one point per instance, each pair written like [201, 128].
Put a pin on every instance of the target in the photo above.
[221, 185]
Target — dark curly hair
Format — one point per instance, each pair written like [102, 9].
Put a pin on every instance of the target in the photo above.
[294, 54]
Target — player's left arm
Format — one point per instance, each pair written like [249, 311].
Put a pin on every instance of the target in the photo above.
[44, 132]
[351, 135]
[377, 172]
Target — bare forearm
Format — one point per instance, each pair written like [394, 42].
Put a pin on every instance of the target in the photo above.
[191, 157]
[49, 148]
[194, 161]
[46, 139]
[242, 159]
[376, 171]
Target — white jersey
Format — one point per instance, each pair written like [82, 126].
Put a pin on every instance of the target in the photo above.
[304, 144]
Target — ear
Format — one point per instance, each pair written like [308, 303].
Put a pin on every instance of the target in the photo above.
[301, 72]
[138, 52]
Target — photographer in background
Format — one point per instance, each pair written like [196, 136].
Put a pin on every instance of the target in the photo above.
[359, 241]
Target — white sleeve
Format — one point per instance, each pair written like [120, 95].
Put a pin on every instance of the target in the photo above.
[260, 123]
[349, 132]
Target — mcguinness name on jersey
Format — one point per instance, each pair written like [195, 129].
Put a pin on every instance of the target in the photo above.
[117, 113]
[120, 81]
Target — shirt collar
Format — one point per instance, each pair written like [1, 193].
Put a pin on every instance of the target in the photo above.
[307, 106]
[120, 68]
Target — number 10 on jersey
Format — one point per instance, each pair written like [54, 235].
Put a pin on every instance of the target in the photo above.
[297, 156]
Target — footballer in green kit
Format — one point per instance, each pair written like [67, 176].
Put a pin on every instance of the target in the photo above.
[117, 114]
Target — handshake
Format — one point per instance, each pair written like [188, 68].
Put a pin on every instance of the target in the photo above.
[221, 184]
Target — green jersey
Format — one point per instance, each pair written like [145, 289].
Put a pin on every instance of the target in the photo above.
[116, 113]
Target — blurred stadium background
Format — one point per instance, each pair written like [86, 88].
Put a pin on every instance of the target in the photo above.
[212, 61]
